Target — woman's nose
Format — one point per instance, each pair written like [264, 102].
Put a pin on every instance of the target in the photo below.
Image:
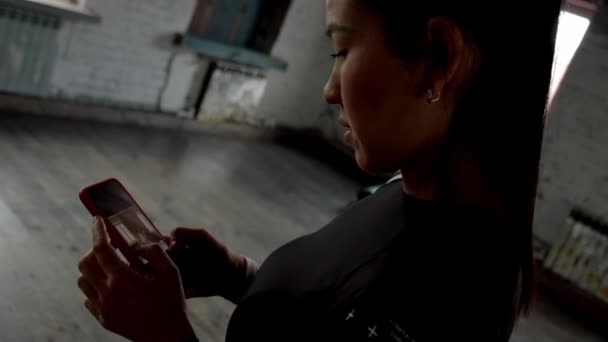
[332, 91]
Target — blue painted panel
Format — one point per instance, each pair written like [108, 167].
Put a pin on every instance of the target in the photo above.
[231, 22]
[233, 54]
[248, 21]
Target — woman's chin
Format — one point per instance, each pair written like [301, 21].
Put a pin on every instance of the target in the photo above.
[364, 162]
[372, 166]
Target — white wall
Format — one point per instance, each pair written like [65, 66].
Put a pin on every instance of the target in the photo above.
[575, 157]
[295, 97]
[125, 59]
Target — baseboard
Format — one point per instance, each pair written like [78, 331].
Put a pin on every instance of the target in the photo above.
[11, 104]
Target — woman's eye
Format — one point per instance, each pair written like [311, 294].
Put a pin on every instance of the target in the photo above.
[341, 53]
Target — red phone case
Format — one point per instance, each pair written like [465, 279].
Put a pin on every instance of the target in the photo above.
[115, 238]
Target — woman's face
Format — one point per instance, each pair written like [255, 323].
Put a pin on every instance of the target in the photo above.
[383, 99]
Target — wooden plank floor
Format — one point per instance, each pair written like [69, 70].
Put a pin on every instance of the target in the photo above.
[252, 194]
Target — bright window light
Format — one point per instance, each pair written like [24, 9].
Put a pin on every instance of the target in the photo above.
[570, 34]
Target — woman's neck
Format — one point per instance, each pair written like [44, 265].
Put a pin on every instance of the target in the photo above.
[421, 179]
[459, 181]
[419, 185]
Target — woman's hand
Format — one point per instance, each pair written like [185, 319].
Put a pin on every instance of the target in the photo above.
[140, 307]
[207, 267]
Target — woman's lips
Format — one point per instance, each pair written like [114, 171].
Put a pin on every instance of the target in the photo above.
[348, 136]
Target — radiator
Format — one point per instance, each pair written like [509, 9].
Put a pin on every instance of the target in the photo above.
[28, 50]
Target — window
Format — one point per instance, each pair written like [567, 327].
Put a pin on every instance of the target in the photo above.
[573, 25]
[65, 4]
[570, 34]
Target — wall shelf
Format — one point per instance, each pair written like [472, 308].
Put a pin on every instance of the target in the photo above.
[234, 54]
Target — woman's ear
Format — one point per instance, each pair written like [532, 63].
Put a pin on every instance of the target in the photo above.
[447, 50]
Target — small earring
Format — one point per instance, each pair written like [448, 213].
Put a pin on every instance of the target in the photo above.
[430, 98]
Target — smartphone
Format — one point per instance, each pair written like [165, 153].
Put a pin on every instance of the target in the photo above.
[127, 224]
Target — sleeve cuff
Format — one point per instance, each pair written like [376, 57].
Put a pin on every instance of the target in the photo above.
[252, 269]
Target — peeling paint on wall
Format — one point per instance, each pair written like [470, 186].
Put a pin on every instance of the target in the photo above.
[234, 95]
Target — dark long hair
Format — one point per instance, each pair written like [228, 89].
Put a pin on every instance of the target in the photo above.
[500, 116]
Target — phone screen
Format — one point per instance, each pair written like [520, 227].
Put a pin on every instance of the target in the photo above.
[114, 203]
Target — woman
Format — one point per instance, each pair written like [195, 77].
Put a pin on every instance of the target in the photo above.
[452, 94]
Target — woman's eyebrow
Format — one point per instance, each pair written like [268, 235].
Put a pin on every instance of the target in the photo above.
[335, 27]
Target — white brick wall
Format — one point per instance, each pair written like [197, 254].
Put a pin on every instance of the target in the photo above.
[123, 59]
[575, 159]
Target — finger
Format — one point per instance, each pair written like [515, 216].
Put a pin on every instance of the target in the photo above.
[106, 255]
[89, 291]
[91, 270]
[158, 260]
[190, 236]
[94, 310]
